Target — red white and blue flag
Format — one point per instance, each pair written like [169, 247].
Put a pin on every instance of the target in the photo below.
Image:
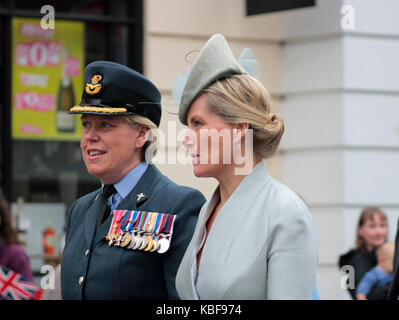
[14, 286]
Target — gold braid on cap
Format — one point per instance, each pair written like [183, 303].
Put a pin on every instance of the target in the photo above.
[97, 109]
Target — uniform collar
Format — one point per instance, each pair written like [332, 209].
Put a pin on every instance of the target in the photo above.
[129, 181]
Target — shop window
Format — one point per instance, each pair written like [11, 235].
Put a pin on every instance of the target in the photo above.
[47, 172]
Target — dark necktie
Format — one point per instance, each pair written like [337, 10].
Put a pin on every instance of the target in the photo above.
[105, 209]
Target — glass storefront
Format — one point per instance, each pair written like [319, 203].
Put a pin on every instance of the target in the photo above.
[46, 173]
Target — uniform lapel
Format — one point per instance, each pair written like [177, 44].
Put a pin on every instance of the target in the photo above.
[90, 220]
[134, 200]
[142, 191]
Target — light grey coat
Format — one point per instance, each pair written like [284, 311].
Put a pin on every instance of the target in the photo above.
[262, 245]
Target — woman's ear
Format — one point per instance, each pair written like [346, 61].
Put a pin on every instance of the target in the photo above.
[142, 137]
[239, 131]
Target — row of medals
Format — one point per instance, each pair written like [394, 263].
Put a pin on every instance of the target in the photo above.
[138, 240]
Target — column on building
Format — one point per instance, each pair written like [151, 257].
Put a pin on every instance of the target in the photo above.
[340, 87]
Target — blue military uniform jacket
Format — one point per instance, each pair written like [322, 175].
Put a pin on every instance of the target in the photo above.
[93, 270]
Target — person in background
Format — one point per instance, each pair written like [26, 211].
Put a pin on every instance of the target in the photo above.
[381, 274]
[12, 256]
[372, 231]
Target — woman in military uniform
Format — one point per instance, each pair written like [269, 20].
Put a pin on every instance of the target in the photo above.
[125, 240]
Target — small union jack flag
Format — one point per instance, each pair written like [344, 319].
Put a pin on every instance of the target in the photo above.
[14, 286]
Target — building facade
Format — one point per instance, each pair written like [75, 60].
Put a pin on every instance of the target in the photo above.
[331, 71]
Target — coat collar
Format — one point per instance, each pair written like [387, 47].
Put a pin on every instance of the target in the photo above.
[225, 226]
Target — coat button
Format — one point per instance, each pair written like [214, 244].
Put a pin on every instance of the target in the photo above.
[81, 280]
[87, 252]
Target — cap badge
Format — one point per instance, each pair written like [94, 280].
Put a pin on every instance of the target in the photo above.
[94, 86]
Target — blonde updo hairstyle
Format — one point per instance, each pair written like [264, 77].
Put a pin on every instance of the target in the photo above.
[134, 121]
[243, 99]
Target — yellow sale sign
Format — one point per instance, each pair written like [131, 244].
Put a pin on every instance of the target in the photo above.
[47, 79]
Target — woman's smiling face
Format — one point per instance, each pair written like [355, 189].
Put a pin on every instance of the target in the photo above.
[110, 146]
[374, 231]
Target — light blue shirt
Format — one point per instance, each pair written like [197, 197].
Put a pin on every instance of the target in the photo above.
[125, 185]
[376, 277]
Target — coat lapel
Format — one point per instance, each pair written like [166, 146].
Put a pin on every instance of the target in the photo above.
[189, 261]
[227, 225]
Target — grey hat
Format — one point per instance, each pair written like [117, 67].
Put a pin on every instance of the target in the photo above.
[215, 61]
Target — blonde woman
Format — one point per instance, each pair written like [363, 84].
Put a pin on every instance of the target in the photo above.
[255, 238]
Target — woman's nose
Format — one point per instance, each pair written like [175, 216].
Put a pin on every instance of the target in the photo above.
[186, 142]
[91, 134]
[188, 139]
